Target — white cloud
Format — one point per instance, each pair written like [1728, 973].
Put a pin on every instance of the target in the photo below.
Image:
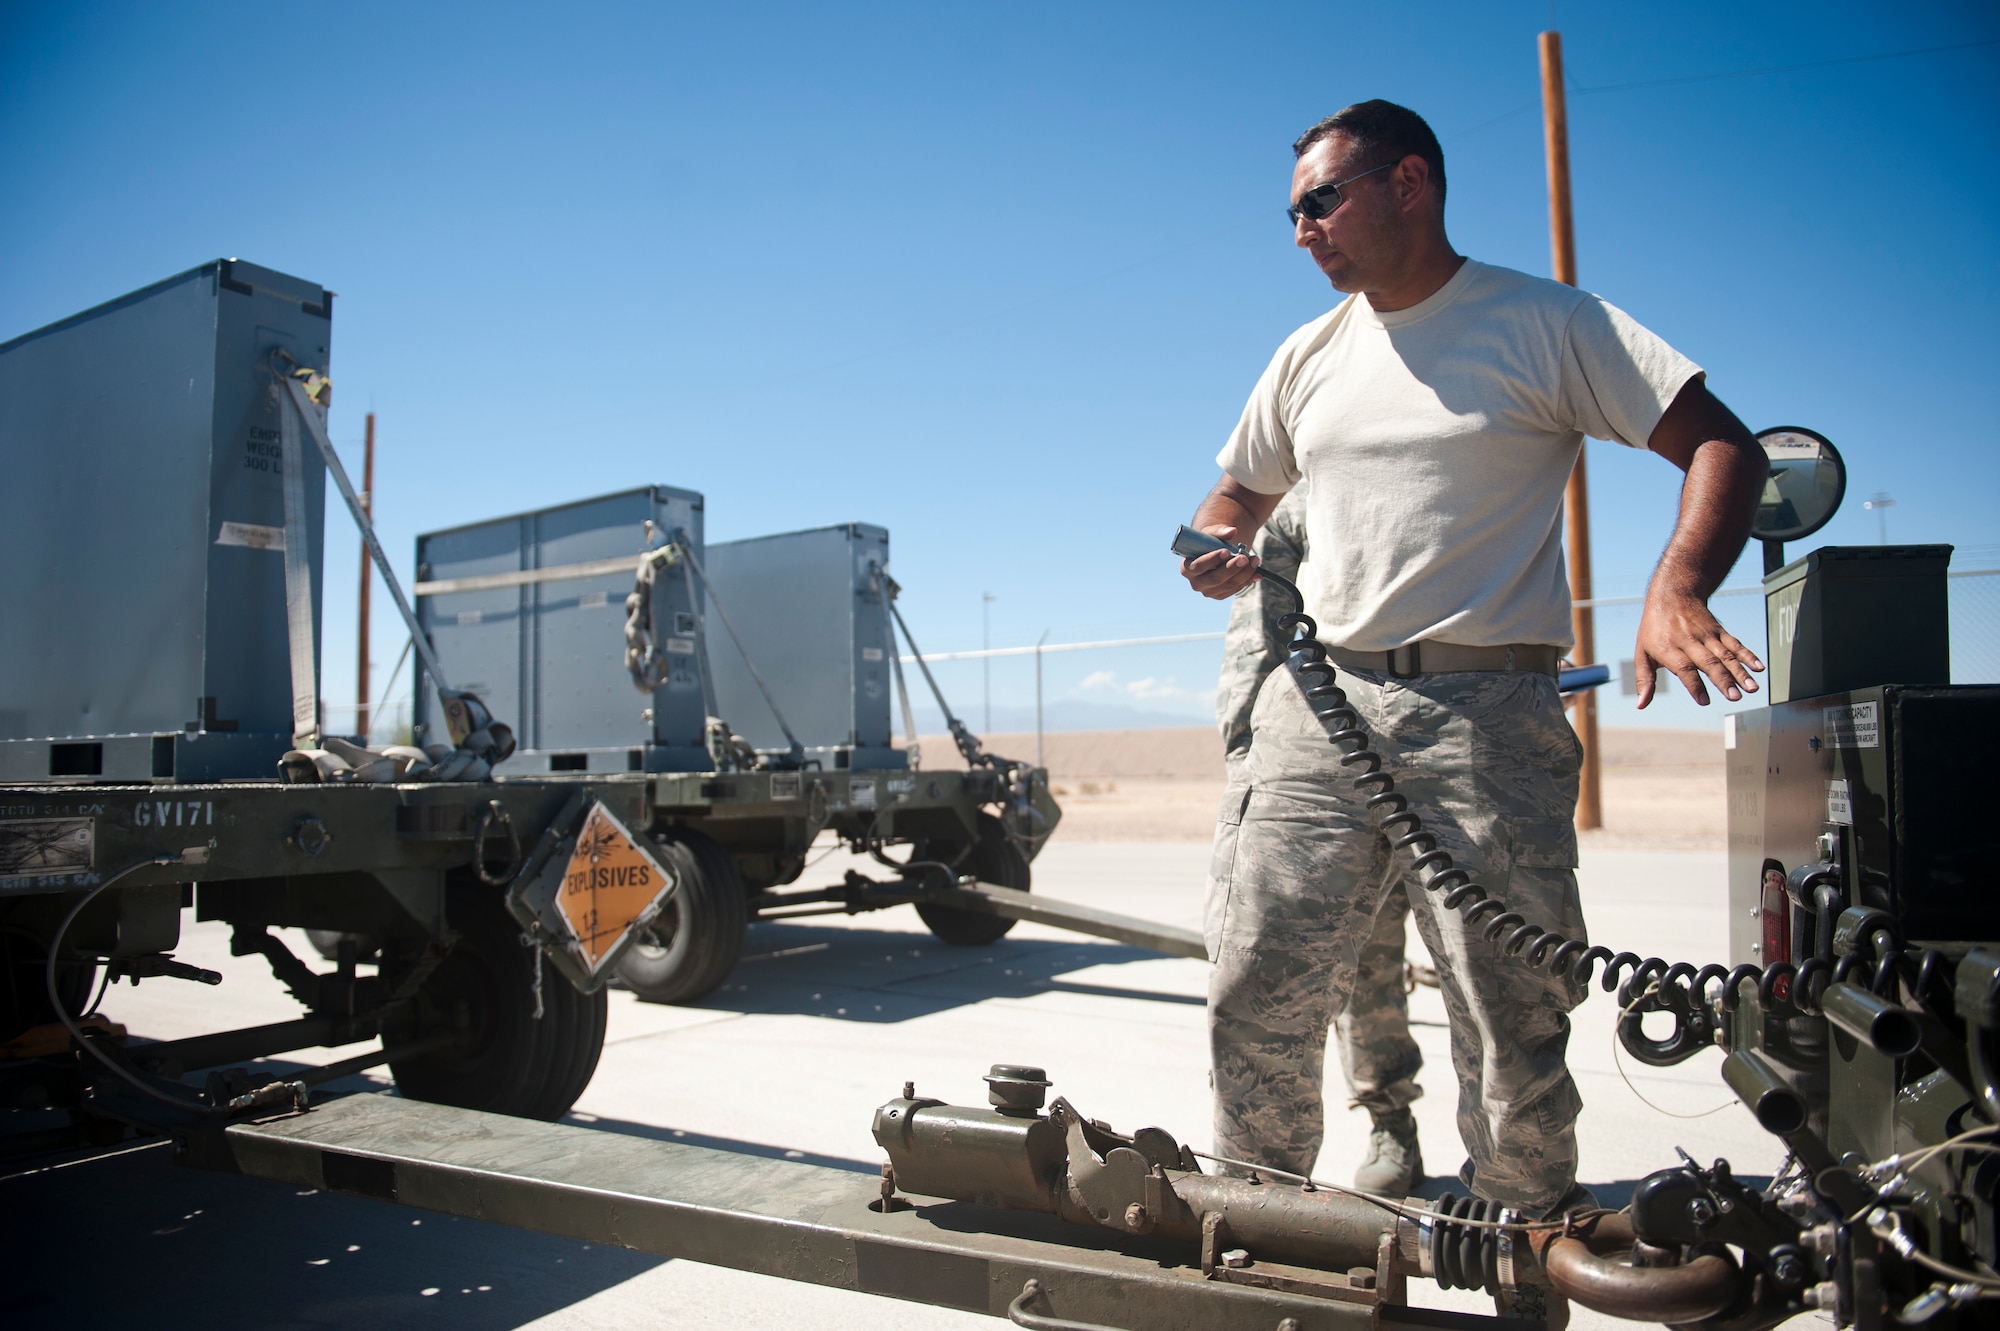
[1152, 689]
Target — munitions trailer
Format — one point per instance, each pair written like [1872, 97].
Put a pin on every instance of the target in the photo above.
[161, 751]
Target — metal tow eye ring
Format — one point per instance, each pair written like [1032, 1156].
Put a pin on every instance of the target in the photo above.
[495, 813]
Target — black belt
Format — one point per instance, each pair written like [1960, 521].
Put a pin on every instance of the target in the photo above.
[1443, 658]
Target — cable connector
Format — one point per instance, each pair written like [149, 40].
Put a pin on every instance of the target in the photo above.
[290, 1093]
[159, 964]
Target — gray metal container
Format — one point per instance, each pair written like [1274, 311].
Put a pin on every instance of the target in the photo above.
[141, 528]
[813, 613]
[548, 656]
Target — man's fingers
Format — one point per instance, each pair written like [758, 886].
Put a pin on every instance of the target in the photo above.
[1741, 673]
[1707, 659]
[1202, 565]
[1219, 574]
[1741, 661]
[1644, 669]
[1740, 652]
[1678, 664]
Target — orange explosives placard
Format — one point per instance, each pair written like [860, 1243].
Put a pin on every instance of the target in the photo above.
[611, 882]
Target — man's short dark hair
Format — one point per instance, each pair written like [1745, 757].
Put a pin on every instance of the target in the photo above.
[1382, 132]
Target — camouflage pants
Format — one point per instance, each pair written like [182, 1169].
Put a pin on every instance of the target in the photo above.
[1378, 1057]
[1371, 1030]
[1298, 875]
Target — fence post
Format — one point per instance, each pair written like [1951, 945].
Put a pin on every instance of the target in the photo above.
[1038, 698]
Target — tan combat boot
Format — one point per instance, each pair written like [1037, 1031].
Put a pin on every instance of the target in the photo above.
[1394, 1161]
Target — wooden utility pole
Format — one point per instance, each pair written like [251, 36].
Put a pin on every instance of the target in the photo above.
[361, 717]
[1562, 245]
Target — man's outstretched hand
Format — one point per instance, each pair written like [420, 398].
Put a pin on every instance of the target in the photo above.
[1678, 634]
[1219, 574]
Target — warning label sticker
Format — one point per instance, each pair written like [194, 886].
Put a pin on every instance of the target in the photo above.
[251, 535]
[1839, 804]
[46, 845]
[611, 884]
[1855, 727]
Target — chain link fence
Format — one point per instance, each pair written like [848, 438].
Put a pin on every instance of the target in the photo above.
[1169, 680]
[1154, 682]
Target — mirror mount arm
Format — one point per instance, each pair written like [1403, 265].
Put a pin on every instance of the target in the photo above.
[1774, 557]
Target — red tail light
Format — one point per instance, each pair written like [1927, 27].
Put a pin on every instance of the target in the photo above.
[1775, 909]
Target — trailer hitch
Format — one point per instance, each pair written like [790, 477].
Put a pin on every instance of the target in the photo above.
[1266, 1231]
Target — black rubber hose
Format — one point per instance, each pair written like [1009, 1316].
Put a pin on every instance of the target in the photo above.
[76, 1031]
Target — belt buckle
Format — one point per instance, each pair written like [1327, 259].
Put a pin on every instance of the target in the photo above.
[1416, 651]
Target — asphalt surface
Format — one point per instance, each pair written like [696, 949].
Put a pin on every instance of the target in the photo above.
[822, 1021]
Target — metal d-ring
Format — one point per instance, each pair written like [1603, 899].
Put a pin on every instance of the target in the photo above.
[495, 812]
[1018, 1314]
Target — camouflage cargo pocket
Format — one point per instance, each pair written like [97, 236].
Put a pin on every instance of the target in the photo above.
[1222, 867]
[1520, 719]
[1543, 843]
[1542, 884]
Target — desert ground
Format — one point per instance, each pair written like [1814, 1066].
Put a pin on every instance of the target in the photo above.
[1663, 789]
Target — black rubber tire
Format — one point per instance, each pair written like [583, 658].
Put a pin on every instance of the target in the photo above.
[508, 1062]
[327, 943]
[693, 945]
[994, 859]
[24, 997]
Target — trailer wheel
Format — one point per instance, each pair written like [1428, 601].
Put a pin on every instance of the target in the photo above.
[24, 1000]
[995, 859]
[693, 944]
[506, 1061]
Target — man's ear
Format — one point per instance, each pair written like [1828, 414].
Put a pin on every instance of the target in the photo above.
[1409, 178]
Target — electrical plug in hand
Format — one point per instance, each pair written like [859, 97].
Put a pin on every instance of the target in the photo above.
[1214, 565]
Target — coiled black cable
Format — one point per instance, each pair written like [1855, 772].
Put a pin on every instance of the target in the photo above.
[1545, 949]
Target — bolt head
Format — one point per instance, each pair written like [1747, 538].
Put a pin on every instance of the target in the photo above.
[1701, 1212]
[1790, 1270]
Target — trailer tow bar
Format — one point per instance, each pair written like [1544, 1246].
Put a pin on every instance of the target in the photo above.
[859, 893]
[783, 1218]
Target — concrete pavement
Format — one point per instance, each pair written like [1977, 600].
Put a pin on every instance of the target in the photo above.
[822, 1021]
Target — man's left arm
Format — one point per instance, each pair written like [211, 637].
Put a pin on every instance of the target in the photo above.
[1726, 469]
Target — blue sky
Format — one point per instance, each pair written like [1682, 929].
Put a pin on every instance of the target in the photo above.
[999, 277]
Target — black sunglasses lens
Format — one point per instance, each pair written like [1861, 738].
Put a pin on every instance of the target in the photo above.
[1317, 202]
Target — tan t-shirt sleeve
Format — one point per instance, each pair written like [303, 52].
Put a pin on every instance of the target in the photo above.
[1259, 452]
[1618, 376]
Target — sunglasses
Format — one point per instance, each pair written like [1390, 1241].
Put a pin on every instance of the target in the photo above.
[1322, 200]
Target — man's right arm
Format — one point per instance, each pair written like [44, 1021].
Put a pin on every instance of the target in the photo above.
[1232, 512]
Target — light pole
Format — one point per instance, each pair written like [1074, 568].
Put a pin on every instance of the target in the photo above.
[1576, 499]
[1881, 503]
[986, 600]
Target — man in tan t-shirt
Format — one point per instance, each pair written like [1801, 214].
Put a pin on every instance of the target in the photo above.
[1436, 414]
